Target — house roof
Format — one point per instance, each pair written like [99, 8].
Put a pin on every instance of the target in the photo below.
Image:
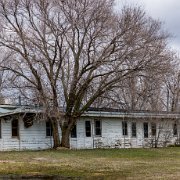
[121, 113]
[6, 110]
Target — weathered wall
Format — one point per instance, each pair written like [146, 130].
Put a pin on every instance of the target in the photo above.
[35, 138]
[112, 136]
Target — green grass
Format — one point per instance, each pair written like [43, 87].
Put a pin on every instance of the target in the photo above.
[162, 163]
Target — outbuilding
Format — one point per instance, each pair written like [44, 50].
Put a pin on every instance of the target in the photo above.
[21, 129]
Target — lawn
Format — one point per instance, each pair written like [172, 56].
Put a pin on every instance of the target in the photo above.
[161, 163]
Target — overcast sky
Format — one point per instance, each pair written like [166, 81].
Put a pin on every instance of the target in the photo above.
[167, 11]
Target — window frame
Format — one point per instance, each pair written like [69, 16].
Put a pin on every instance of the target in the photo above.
[15, 128]
[49, 129]
[153, 129]
[146, 133]
[90, 128]
[74, 132]
[175, 129]
[96, 128]
[124, 128]
[132, 129]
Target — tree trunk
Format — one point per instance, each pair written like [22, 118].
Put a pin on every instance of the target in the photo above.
[156, 143]
[66, 130]
[55, 133]
[65, 140]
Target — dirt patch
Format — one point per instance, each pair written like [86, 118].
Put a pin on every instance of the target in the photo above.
[62, 148]
[7, 161]
[37, 177]
[40, 159]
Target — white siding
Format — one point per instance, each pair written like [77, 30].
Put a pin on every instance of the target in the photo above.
[112, 136]
[35, 138]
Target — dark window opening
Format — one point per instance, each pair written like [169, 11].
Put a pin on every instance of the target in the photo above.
[49, 129]
[153, 129]
[175, 129]
[133, 129]
[97, 127]
[145, 130]
[124, 128]
[15, 128]
[88, 128]
[74, 132]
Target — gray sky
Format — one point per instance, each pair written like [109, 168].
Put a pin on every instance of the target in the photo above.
[167, 11]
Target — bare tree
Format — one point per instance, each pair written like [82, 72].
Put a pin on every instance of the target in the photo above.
[73, 52]
[30, 32]
[172, 90]
[106, 52]
[138, 92]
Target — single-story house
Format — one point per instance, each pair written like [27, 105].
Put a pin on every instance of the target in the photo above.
[96, 128]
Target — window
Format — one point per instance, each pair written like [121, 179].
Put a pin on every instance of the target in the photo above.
[15, 128]
[124, 128]
[175, 129]
[74, 132]
[133, 129]
[153, 129]
[48, 128]
[145, 130]
[88, 128]
[97, 127]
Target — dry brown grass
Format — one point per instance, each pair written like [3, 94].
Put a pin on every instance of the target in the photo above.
[99, 164]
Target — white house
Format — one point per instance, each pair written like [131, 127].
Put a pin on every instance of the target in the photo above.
[16, 132]
[97, 128]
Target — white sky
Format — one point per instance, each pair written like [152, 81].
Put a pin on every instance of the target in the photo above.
[167, 11]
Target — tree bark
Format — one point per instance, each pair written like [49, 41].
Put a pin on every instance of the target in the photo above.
[66, 130]
[55, 133]
[65, 140]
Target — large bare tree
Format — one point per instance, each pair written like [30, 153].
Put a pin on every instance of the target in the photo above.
[32, 38]
[172, 89]
[72, 52]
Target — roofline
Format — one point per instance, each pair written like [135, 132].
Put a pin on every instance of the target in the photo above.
[97, 112]
[20, 110]
[148, 115]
